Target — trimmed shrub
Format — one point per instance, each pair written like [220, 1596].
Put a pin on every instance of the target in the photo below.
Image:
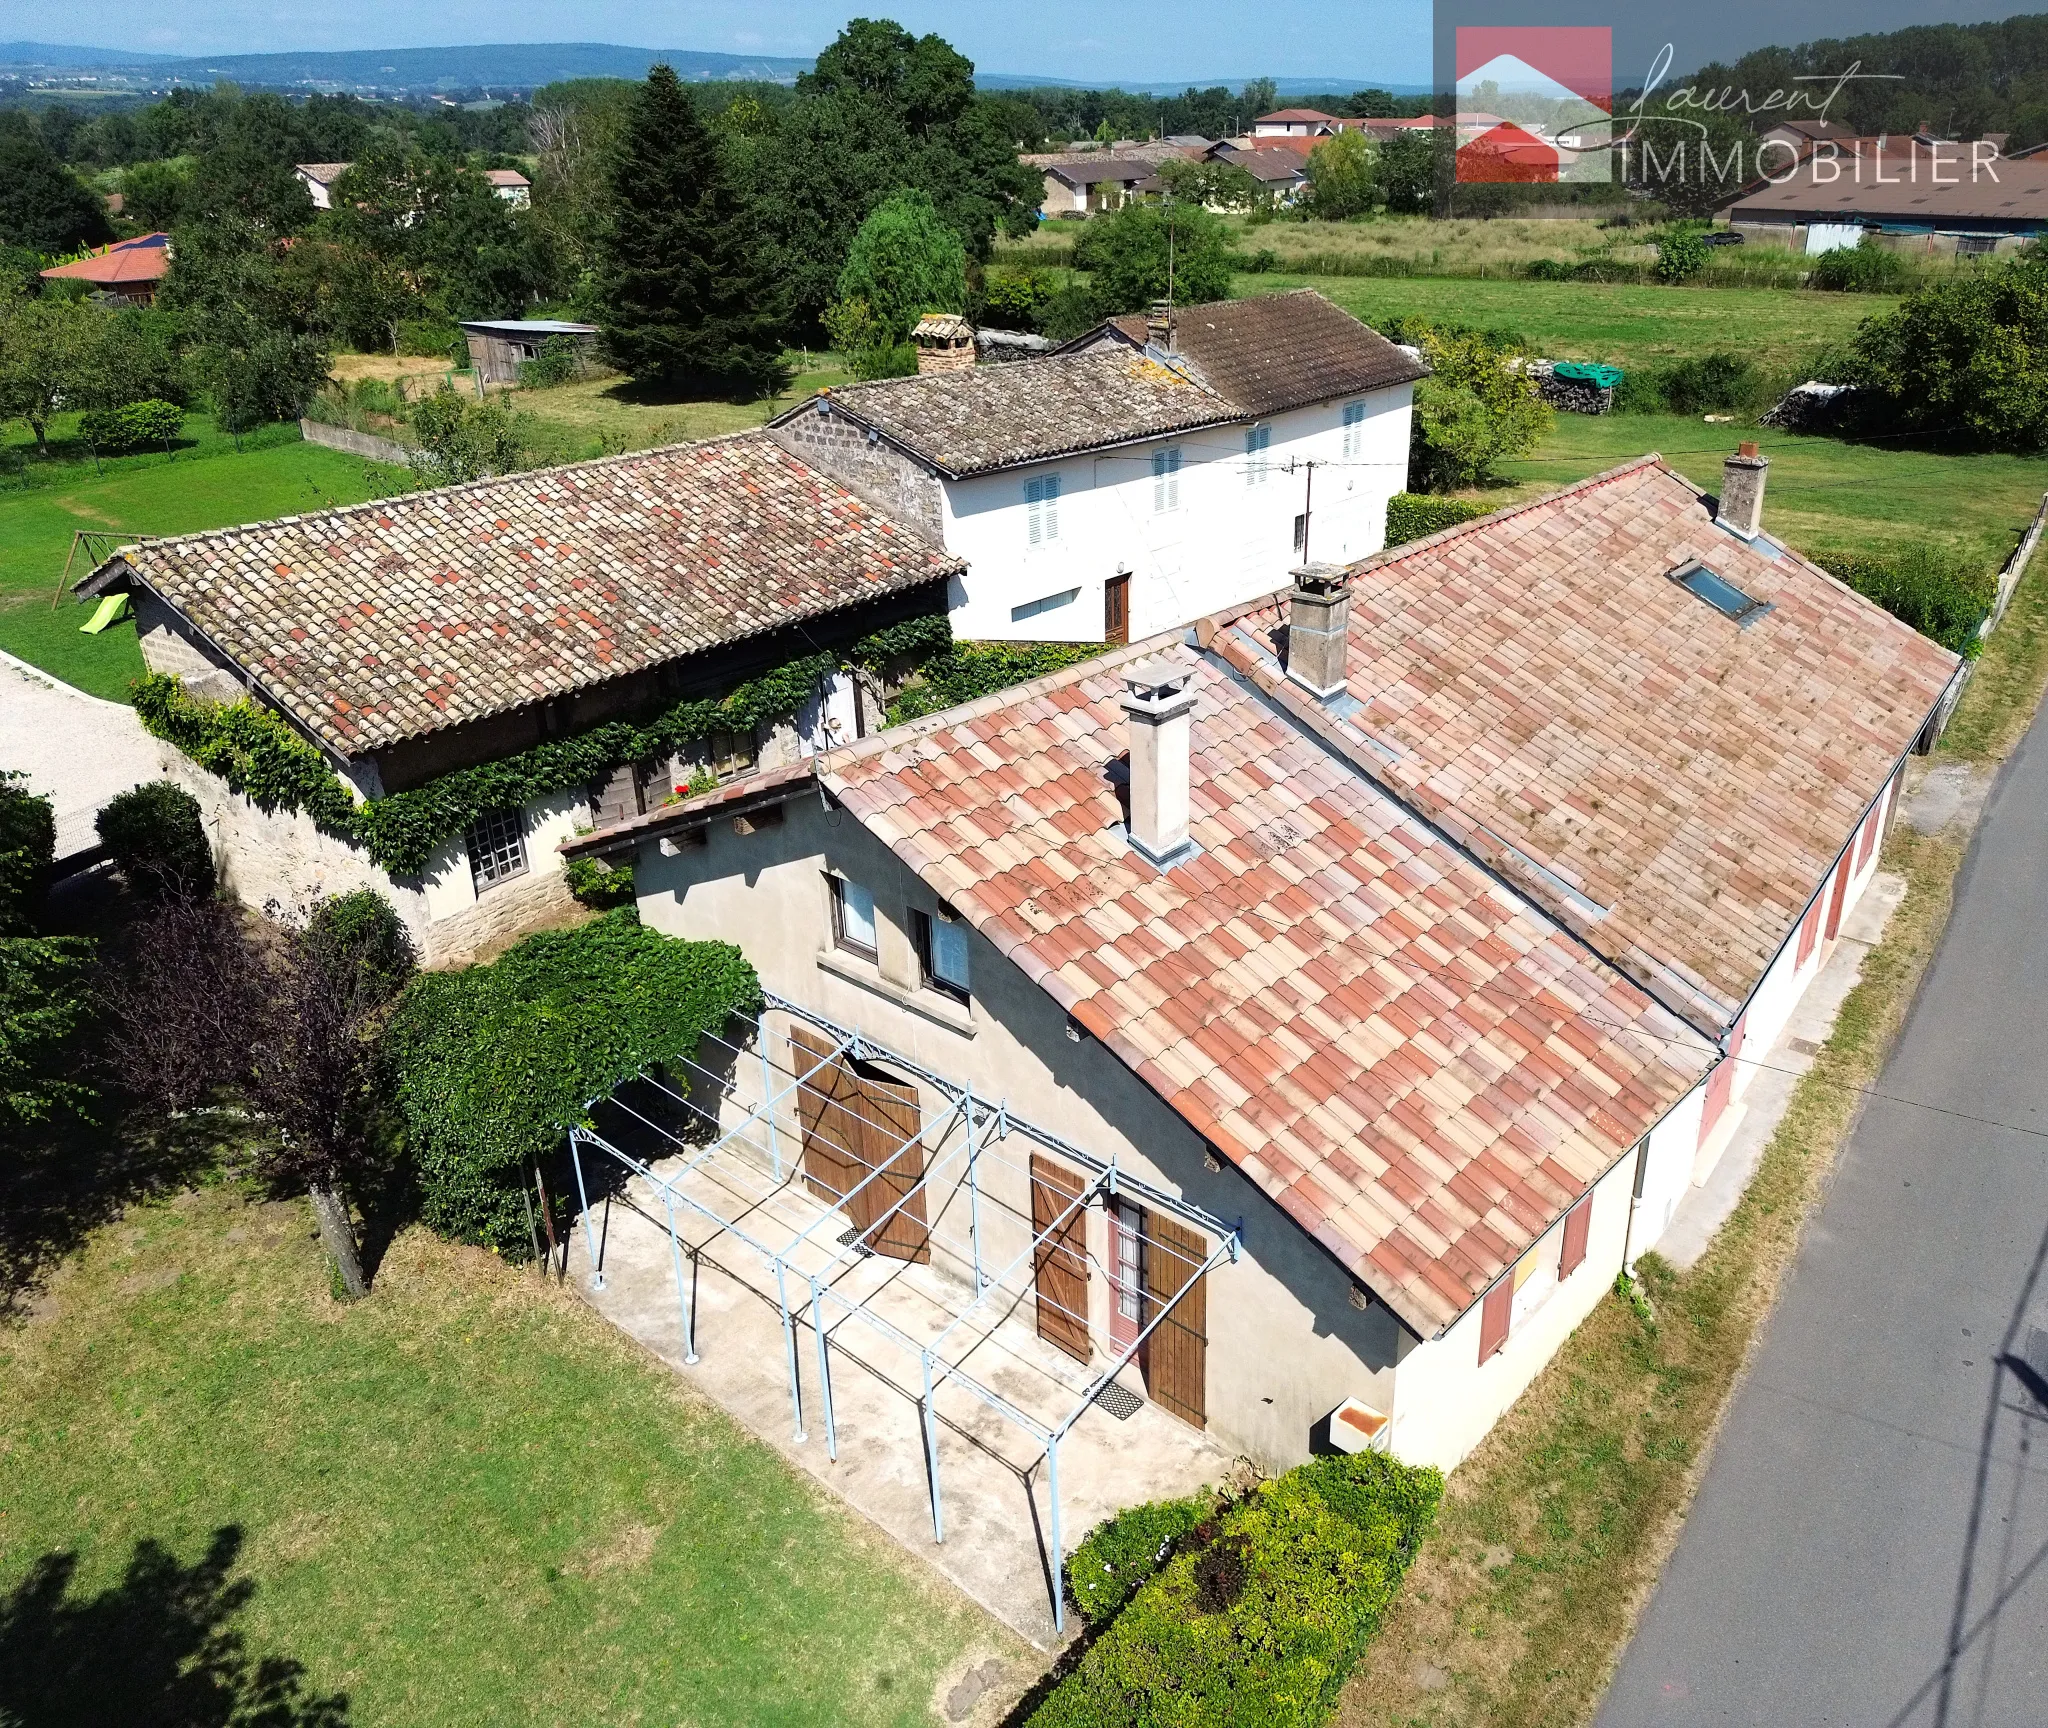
[136, 426]
[1262, 1625]
[361, 936]
[491, 1067]
[1940, 596]
[1865, 268]
[1120, 1553]
[157, 841]
[1412, 515]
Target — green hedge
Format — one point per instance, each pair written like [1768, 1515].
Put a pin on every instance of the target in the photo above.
[1412, 515]
[1121, 1553]
[492, 1066]
[149, 425]
[1938, 595]
[1260, 1626]
[259, 754]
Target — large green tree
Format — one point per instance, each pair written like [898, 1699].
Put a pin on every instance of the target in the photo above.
[689, 303]
[48, 350]
[42, 204]
[882, 111]
[1147, 252]
[905, 262]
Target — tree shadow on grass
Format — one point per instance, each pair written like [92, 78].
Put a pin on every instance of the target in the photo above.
[157, 1650]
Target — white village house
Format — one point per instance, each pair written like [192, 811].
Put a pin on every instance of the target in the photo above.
[1151, 472]
[1409, 926]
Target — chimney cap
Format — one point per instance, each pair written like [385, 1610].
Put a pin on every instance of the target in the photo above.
[1321, 578]
[1157, 676]
[1746, 450]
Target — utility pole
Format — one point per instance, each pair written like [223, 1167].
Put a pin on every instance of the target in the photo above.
[1308, 494]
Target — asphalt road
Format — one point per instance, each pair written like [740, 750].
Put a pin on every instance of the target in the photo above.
[1870, 1546]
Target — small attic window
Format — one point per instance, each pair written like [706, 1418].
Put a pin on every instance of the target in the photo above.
[1718, 592]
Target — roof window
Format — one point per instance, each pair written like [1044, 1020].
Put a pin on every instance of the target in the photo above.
[1718, 592]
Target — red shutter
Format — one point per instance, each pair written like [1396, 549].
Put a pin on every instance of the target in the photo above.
[1493, 1317]
[1843, 871]
[1721, 1081]
[1809, 929]
[1578, 1224]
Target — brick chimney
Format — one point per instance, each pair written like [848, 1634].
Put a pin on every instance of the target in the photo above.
[1159, 325]
[1160, 704]
[1741, 510]
[945, 343]
[1318, 621]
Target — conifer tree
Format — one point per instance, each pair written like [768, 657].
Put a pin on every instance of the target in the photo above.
[688, 303]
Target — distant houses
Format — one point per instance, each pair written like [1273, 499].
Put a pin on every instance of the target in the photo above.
[126, 273]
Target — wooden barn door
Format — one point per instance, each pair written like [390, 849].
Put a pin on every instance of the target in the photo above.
[1176, 1355]
[853, 1125]
[1061, 1259]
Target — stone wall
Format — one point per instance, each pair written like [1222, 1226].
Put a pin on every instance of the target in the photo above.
[355, 443]
[876, 471]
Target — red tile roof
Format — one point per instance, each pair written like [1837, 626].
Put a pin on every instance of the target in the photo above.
[1673, 784]
[1420, 1071]
[144, 259]
[401, 617]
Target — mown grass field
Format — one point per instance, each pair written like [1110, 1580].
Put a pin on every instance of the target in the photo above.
[1823, 495]
[1621, 324]
[206, 483]
[466, 1499]
[604, 416]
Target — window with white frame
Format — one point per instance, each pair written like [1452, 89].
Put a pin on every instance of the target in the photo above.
[497, 847]
[1042, 509]
[1257, 441]
[853, 917]
[1354, 429]
[1165, 480]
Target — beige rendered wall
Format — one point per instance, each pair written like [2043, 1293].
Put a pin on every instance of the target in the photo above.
[1285, 1343]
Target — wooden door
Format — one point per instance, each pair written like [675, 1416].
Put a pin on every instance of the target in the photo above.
[1060, 1262]
[890, 1122]
[828, 1107]
[1176, 1355]
[1116, 609]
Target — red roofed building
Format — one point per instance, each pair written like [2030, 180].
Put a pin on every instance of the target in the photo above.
[128, 270]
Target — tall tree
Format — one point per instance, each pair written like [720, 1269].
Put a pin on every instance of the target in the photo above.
[688, 303]
[905, 262]
[42, 203]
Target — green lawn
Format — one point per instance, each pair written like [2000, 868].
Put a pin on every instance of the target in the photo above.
[1823, 495]
[1779, 329]
[464, 1500]
[599, 416]
[208, 484]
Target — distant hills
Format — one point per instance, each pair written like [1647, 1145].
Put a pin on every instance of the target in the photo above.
[503, 66]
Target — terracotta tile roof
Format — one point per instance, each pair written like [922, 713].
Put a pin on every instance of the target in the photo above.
[1420, 1071]
[1278, 351]
[146, 258]
[391, 619]
[1671, 783]
[982, 418]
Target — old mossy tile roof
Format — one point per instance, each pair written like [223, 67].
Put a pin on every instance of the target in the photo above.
[1672, 783]
[981, 418]
[1279, 351]
[1420, 1070]
[388, 620]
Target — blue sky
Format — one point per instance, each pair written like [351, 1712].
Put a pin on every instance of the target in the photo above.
[1104, 41]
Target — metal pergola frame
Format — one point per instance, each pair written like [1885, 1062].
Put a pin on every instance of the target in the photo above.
[760, 1134]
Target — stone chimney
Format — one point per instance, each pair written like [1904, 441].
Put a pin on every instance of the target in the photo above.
[1159, 325]
[1741, 509]
[1159, 703]
[945, 343]
[1318, 622]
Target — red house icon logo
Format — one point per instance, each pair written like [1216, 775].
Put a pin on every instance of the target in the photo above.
[1535, 102]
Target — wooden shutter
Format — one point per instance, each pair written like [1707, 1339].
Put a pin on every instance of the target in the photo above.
[1177, 1353]
[890, 1121]
[828, 1107]
[1493, 1317]
[1809, 931]
[616, 798]
[1578, 1224]
[1841, 892]
[1721, 1082]
[1061, 1258]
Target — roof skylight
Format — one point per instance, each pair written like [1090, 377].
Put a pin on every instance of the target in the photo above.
[1718, 592]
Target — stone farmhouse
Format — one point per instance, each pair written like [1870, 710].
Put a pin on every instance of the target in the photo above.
[1151, 472]
[420, 637]
[1409, 925]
